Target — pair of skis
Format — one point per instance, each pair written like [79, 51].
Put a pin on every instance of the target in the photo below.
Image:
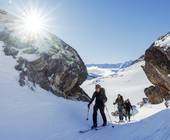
[102, 127]
[94, 129]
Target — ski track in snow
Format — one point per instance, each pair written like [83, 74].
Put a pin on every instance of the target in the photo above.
[39, 115]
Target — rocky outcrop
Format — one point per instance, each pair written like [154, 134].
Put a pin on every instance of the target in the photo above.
[155, 94]
[157, 69]
[9, 51]
[46, 61]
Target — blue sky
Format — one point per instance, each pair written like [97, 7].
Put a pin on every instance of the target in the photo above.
[105, 31]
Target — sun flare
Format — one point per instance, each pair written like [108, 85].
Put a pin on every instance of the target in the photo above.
[32, 23]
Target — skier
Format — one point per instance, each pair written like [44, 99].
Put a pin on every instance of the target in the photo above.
[128, 107]
[100, 100]
[120, 105]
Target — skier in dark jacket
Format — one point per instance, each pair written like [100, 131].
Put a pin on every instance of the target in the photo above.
[128, 107]
[120, 105]
[100, 100]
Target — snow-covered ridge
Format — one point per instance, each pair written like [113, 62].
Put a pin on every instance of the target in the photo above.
[163, 41]
[112, 66]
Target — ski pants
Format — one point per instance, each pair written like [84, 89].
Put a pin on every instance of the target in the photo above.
[120, 110]
[128, 114]
[95, 110]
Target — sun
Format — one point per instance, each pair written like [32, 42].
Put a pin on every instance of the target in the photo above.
[32, 23]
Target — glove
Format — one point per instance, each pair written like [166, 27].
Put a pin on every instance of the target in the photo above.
[88, 105]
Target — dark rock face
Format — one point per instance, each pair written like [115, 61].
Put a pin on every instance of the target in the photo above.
[155, 94]
[49, 62]
[157, 69]
[10, 51]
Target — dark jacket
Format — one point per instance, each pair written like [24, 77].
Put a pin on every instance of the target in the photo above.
[100, 97]
[127, 106]
[119, 101]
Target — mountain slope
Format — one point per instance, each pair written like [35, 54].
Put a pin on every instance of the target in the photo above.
[28, 115]
[128, 82]
[39, 115]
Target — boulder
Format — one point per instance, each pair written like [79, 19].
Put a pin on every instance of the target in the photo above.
[46, 61]
[9, 51]
[157, 69]
[155, 94]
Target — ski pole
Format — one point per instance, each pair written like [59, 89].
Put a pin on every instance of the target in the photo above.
[88, 114]
[133, 116]
[115, 111]
[108, 113]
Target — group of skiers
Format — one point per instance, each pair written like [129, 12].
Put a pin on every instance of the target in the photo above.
[124, 107]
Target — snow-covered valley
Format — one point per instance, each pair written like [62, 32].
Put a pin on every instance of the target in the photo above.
[40, 115]
[129, 82]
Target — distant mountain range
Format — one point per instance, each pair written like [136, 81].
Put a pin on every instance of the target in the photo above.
[100, 70]
[112, 66]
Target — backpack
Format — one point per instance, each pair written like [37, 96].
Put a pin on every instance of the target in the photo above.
[104, 98]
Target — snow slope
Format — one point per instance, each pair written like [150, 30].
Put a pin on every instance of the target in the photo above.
[28, 115]
[129, 82]
[39, 115]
